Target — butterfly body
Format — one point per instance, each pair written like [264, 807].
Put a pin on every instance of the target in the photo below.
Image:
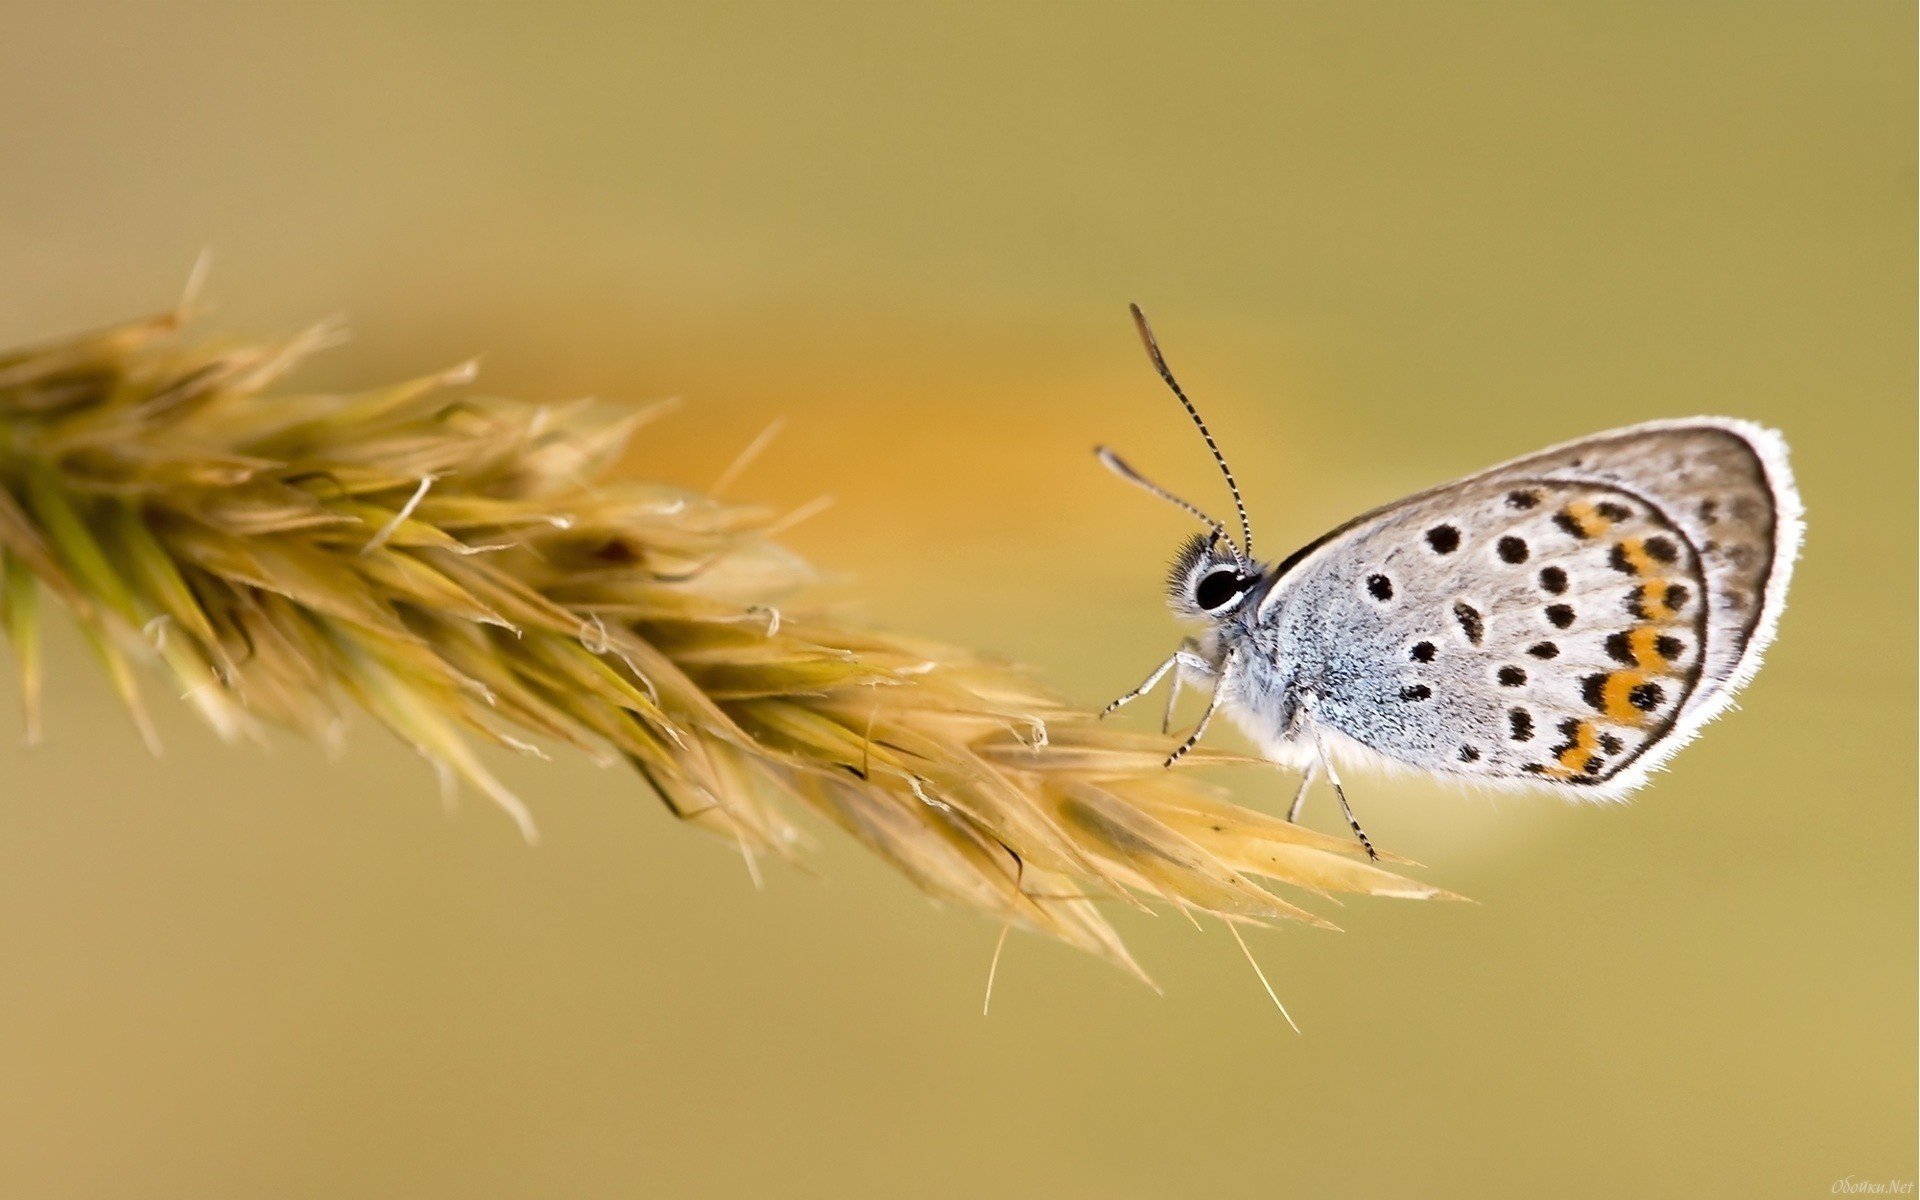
[1567, 620]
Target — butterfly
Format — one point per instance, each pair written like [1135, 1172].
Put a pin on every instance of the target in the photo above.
[1567, 620]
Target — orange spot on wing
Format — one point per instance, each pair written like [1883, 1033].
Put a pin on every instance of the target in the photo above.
[1635, 552]
[1644, 642]
[1653, 600]
[1588, 518]
[1576, 758]
[1614, 697]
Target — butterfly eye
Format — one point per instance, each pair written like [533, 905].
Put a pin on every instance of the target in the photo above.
[1218, 589]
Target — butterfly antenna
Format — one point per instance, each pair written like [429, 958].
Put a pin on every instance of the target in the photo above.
[1113, 462]
[1166, 373]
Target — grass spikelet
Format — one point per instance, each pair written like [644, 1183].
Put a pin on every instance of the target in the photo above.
[464, 569]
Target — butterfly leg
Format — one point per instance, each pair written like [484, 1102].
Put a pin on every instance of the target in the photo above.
[1184, 658]
[1340, 793]
[1300, 796]
[1346, 810]
[1206, 715]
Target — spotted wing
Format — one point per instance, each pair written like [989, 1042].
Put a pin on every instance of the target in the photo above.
[1570, 617]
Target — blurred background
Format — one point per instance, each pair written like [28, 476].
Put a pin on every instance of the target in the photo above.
[1384, 244]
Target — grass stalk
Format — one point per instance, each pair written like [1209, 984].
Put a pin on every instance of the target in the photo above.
[466, 570]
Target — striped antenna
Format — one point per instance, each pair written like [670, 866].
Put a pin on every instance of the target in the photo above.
[1160, 364]
[1119, 466]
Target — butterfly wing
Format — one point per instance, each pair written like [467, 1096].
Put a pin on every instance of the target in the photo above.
[1571, 617]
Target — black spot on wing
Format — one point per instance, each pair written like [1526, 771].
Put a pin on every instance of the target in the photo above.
[1444, 539]
[1470, 620]
[1570, 730]
[1520, 725]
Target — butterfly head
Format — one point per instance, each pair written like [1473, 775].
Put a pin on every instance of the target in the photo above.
[1210, 580]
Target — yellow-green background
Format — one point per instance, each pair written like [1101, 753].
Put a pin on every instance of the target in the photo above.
[1386, 244]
